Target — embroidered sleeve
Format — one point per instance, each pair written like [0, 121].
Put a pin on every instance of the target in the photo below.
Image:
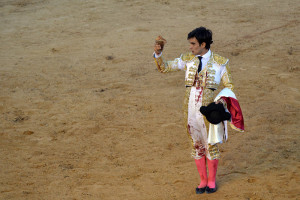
[226, 77]
[168, 66]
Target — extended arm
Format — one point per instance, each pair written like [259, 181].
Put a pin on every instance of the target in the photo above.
[168, 66]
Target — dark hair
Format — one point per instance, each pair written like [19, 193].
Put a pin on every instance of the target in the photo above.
[202, 35]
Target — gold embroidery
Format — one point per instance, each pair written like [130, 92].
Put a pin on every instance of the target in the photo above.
[191, 76]
[208, 96]
[214, 151]
[236, 128]
[211, 72]
[187, 57]
[159, 64]
[226, 79]
[164, 67]
[191, 73]
[219, 59]
[201, 79]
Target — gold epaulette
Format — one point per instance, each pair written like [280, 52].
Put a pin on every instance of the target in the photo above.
[220, 60]
[187, 56]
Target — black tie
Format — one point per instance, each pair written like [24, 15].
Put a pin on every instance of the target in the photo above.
[200, 64]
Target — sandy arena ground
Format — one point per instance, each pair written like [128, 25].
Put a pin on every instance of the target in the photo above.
[84, 114]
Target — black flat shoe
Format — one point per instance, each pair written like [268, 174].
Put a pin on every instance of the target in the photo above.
[200, 190]
[211, 190]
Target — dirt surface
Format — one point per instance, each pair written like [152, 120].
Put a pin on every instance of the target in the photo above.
[84, 114]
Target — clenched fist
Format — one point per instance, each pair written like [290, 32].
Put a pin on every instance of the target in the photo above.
[159, 44]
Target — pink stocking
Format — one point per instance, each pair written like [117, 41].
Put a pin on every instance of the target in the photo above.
[212, 171]
[201, 166]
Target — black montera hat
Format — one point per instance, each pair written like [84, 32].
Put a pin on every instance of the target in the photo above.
[215, 113]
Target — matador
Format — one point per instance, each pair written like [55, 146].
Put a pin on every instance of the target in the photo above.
[205, 71]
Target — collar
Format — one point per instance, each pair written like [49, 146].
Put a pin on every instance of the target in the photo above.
[205, 56]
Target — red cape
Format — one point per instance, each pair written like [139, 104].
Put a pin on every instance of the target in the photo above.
[237, 120]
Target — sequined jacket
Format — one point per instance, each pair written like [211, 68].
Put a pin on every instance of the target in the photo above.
[216, 71]
[210, 77]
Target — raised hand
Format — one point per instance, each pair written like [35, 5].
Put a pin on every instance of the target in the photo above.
[159, 44]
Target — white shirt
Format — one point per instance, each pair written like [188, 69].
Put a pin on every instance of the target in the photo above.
[205, 58]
